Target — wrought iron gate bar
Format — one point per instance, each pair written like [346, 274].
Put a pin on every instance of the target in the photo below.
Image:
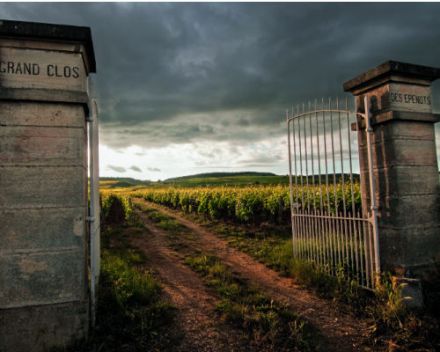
[327, 226]
[329, 217]
[319, 111]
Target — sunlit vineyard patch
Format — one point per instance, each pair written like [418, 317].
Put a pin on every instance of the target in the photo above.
[254, 204]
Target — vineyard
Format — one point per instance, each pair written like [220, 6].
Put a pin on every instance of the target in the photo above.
[250, 204]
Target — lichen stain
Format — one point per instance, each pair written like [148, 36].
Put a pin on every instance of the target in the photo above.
[29, 265]
[78, 227]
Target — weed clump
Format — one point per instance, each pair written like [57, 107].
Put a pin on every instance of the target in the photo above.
[131, 311]
[265, 322]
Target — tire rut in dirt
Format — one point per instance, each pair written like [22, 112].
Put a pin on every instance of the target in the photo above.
[196, 318]
[343, 331]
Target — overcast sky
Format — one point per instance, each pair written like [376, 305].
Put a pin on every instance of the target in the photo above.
[190, 88]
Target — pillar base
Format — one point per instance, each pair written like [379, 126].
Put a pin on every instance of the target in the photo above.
[40, 328]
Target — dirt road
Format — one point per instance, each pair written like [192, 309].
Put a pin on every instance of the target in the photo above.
[185, 290]
[196, 304]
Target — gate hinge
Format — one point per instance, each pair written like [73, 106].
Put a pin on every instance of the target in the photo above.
[368, 119]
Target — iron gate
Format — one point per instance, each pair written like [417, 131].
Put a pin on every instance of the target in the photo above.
[328, 225]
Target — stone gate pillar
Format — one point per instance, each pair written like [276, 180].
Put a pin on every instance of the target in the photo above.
[404, 163]
[43, 184]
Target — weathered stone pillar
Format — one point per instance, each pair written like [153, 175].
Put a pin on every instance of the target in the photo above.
[43, 184]
[404, 163]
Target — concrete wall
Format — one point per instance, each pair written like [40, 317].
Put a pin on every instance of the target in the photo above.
[408, 193]
[43, 207]
[404, 164]
[44, 293]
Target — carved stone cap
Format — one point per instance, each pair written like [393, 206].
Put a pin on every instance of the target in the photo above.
[51, 32]
[392, 71]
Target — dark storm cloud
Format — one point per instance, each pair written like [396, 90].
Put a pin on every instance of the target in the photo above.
[135, 168]
[118, 169]
[186, 72]
[260, 160]
[160, 133]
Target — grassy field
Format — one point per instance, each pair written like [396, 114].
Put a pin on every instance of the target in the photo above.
[227, 179]
[201, 180]
[236, 179]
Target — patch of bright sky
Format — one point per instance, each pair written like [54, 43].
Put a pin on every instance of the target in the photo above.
[178, 159]
[159, 163]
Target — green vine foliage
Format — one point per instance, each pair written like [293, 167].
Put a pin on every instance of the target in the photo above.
[256, 204]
